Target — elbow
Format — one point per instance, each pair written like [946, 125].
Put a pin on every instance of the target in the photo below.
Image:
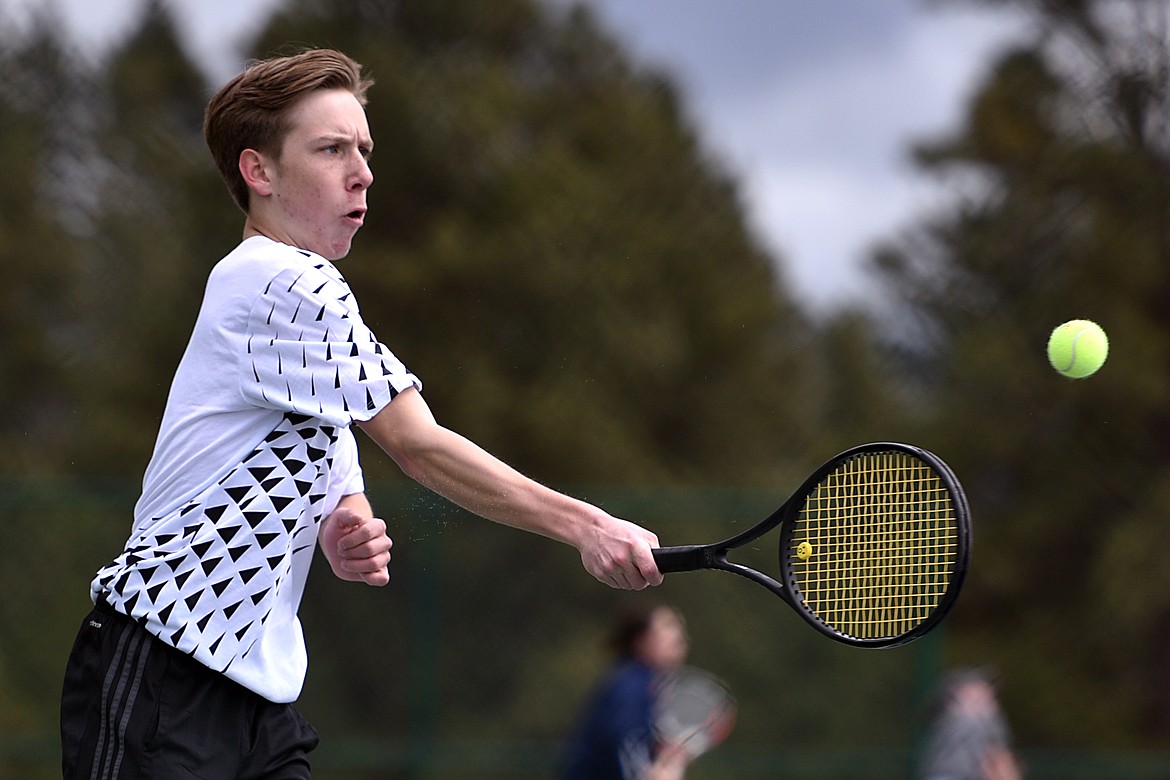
[408, 433]
[408, 465]
[406, 449]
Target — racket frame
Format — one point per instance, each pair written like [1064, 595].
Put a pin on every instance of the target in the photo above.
[695, 557]
[719, 711]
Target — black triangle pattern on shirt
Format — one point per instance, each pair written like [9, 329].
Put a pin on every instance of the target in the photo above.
[309, 350]
[238, 542]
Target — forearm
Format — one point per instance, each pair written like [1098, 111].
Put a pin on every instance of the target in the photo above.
[614, 551]
[462, 472]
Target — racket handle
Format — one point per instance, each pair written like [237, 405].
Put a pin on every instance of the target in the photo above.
[688, 557]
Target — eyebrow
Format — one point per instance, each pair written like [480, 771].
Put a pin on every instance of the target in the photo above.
[344, 138]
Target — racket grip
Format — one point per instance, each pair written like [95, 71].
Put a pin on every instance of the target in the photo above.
[688, 557]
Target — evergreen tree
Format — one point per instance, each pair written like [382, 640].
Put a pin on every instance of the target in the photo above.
[40, 95]
[158, 223]
[550, 246]
[554, 252]
[568, 269]
[1066, 153]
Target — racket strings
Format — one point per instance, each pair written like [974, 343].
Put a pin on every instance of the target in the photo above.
[884, 545]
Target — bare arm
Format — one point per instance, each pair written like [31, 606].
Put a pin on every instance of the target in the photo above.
[614, 551]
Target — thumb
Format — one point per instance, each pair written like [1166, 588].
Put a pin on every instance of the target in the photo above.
[345, 518]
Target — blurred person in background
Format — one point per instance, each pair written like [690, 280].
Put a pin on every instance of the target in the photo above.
[968, 736]
[191, 659]
[614, 737]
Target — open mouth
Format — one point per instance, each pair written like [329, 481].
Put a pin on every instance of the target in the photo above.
[357, 215]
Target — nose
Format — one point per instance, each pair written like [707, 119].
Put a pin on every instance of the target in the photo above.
[363, 177]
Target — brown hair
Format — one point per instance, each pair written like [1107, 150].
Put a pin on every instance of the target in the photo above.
[251, 110]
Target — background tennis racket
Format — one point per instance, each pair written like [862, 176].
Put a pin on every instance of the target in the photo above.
[874, 546]
[693, 712]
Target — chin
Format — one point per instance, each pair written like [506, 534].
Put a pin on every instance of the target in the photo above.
[336, 253]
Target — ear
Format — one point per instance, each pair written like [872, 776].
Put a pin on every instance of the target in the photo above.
[254, 167]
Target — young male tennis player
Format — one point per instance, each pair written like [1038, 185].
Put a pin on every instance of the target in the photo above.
[189, 663]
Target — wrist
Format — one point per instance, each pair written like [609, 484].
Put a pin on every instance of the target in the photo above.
[583, 524]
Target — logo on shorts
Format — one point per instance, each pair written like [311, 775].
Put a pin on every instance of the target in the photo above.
[95, 624]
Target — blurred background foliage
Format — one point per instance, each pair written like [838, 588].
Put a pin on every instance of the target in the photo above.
[568, 268]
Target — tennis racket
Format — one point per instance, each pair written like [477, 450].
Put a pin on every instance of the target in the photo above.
[693, 712]
[874, 546]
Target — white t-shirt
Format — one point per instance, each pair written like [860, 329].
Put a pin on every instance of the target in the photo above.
[254, 450]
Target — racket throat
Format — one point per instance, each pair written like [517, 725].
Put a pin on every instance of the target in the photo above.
[757, 577]
[695, 557]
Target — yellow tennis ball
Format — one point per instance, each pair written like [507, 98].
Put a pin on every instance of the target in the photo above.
[1078, 348]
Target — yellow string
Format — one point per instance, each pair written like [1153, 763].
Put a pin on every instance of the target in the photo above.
[884, 539]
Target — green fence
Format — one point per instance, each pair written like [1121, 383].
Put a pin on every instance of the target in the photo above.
[472, 663]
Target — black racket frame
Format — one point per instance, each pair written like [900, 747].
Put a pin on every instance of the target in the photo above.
[695, 557]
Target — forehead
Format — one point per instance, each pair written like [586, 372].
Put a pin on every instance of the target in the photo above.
[328, 112]
[664, 619]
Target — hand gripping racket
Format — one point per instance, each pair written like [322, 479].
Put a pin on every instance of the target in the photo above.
[874, 546]
[693, 712]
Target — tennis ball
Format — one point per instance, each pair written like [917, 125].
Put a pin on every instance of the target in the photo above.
[1078, 348]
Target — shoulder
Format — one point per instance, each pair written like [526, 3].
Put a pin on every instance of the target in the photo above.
[263, 270]
[257, 261]
[630, 678]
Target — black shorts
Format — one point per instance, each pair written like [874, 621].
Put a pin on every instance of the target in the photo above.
[134, 708]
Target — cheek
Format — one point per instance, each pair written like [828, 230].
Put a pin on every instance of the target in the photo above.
[302, 201]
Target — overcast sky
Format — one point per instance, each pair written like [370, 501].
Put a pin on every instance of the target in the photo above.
[812, 104]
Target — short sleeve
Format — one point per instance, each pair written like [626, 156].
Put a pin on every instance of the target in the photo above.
[347, 474]
[308, 351]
